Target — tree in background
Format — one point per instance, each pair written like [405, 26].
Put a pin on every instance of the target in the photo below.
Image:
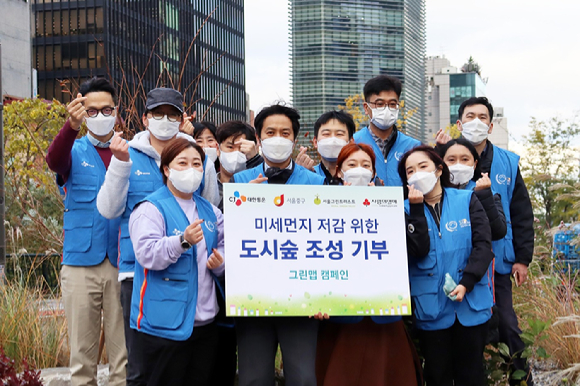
[550, 169]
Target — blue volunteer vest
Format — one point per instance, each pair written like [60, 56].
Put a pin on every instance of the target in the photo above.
[448, 254]
[387, 170]
[300, 176]
[318, 170]
[145, 179]
[163, 302]
[88, 236]
[503, 173]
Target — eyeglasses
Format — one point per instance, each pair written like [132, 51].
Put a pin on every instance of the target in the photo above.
[106, 111]
[381, 105]
[170, 117]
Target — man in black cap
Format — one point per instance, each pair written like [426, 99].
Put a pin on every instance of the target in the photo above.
[133, 174]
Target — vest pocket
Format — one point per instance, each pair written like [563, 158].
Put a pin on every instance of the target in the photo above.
[425, 293]
[78, 230]
[166, 307]
[480, 297]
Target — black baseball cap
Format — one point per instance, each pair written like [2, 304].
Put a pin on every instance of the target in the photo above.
[164, 96]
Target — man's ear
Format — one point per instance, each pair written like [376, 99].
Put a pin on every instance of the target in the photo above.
[351, 141]
[459, 127]
[490, 128]
[315, 143]
[368, 110]
[145, 121]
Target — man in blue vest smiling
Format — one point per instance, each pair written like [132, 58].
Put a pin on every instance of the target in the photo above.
[89, 265]
[381, 104]
[277, 127]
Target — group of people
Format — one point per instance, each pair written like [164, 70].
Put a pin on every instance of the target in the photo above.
[144, 244]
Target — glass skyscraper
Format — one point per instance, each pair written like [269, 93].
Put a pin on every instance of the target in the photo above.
[144, 44]
[337, 45]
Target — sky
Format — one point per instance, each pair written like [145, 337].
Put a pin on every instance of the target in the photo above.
[529, 50]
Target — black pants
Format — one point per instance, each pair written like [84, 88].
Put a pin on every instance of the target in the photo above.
[227, 357]
[454, 356]
[126, 294]
[509, 332]
[258, 340]
[160, 361]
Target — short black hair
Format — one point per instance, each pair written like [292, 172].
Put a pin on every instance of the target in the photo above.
[382, 83]
[278, 109]
[97, 85]
[235, 129]
[341, 116]
[442, 149]
[476, 101]
[199, 127]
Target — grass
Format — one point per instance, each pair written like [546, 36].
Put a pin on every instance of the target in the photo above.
[30, 328]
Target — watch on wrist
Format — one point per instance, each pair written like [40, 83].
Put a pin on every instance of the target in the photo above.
[184, 243]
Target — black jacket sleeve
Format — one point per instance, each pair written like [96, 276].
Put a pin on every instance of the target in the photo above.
[418, 243]
[494, 210]
[522, 220]
[254, 161]
[481, 254]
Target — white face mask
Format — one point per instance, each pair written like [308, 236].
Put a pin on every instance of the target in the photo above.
[461, 174]
[277, 149]
[423, 181]
[100, 125]
[358, 176]
[186, 181]
[383, 119]
[163, 129]
[211, 153]
[329, 148]
[475, 131]
[233, 162]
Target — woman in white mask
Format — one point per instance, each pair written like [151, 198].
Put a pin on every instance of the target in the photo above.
[355, 165]
[449, 252]
[343, 340]
[462, 160]
[177, 236]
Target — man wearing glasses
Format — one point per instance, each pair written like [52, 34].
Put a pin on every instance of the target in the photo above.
[134, 173]
[381, 104]
[89, 264]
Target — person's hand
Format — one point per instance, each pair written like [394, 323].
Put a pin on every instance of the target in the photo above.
[379, 182]
[259, 180]
[247, 147]
[442, 137]
[459, 291]
[520, 273]
[415, 196]
[186, 126]
[193, 233]
[304, 159]
[119, 147]
[483, 183]
[320, 316]
[77, 112]
[215, 260]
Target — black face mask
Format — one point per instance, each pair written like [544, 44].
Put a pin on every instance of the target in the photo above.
[277, 175]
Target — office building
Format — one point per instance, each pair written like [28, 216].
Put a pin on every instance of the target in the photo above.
[145, 44]
[336, 46]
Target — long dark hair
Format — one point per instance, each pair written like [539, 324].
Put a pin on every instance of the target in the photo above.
[463, 142]
[445, 178]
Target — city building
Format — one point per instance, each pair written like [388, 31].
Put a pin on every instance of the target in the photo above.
[145, 44]
[336, 46]
[15, 37]
[448, 87]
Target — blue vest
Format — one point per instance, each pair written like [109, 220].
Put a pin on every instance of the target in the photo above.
[88, 236]
[300, 176]
[145, 179]
[503, 173]
[448, 254]
[163, 302]
[387, 170]
[318, 170]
